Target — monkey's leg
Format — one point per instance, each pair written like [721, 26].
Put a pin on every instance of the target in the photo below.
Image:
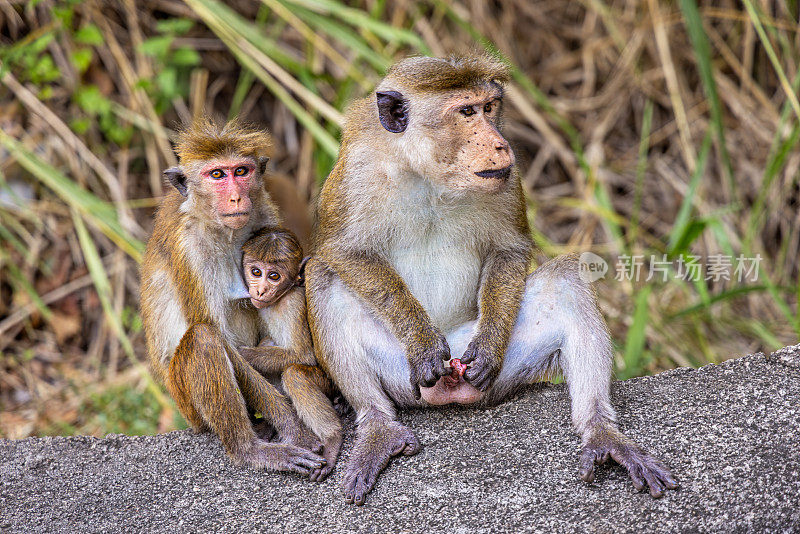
[201, 381]
[559, 326]
[274, 407]
[355, 348]
[309, 389]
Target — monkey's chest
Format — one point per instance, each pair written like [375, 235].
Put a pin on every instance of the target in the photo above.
[443, 275]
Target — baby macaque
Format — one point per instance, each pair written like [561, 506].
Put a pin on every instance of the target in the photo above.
[273, 266]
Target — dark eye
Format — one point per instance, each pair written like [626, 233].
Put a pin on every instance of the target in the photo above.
[217, 174]
[467, 111]
[255, 271]
[240, 171]
[274, 276]
[487, 108]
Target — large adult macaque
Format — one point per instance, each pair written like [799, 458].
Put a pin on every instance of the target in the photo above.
[190, 283]
[422, 253]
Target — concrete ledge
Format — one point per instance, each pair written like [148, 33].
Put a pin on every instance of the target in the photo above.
[730, 433]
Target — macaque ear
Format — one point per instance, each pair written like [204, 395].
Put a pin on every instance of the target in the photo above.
[177, 179]
[392, 111]
[262, 164]
[301, 274]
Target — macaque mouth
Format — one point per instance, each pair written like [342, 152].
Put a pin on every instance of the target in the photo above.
[236, 214]
[499, 174]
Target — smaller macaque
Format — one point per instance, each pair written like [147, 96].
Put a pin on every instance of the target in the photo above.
[273, 269]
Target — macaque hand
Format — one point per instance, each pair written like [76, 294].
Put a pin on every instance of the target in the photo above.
[427, 361]
[484, 363]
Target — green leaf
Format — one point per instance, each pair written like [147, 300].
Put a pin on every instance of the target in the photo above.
[157, 46]
[702, 52]
[167, 81]
[91, 100]
[89, 35]
[82, 58]
[185, 57]
[44, 70]
[174, 26]
[80, 126]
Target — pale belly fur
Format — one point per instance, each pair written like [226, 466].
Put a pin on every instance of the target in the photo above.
[448, 290]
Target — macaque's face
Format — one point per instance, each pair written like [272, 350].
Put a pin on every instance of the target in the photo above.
[452, 137]
[228, 183]
[477, 157]
[267, 282]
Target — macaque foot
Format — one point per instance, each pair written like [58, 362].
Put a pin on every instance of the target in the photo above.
[641, 466]
[330, 452]
[280, 457]
[377, 442]
[302, 437]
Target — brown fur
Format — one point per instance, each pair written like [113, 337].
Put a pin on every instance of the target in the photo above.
[434, 75]
[422, 231]
[205, 140]
[286, 324]
[273, 244]
[191, 324]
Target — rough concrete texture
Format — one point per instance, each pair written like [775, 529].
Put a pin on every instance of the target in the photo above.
[729, 432]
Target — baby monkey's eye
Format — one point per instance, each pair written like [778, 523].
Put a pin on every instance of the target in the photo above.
[274, 276]
[255, 271]
[217, 174]
[240, 171]
[467, 111]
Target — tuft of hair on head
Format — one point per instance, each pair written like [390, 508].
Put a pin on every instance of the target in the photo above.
[204, 139]
[274, 244]
[427, 74]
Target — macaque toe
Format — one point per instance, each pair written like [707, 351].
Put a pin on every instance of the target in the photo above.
[644, 470]
[375, 445]
[320, 473]
[305, 439]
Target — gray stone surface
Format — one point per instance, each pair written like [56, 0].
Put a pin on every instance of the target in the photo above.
[729, 432]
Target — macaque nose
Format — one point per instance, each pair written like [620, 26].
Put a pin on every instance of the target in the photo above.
[235, 197]
[501, 144]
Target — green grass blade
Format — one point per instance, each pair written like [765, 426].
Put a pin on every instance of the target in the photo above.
[773, 57]
[101, 214]
[233, 37]
[702, 52]
[361, 19]
[641, 167]
[637, 336]
[21, 282]
[681, 226]
[103, 287]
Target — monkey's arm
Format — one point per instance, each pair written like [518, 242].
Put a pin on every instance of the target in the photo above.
[268, 360]
[374, 280]
[499, 296]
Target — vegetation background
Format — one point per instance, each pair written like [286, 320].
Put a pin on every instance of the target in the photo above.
[641, 128]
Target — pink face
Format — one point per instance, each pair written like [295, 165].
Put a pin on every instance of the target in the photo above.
[267, 282]
[229, 181]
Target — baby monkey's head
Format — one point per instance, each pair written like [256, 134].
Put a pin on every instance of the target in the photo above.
[272, 264]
